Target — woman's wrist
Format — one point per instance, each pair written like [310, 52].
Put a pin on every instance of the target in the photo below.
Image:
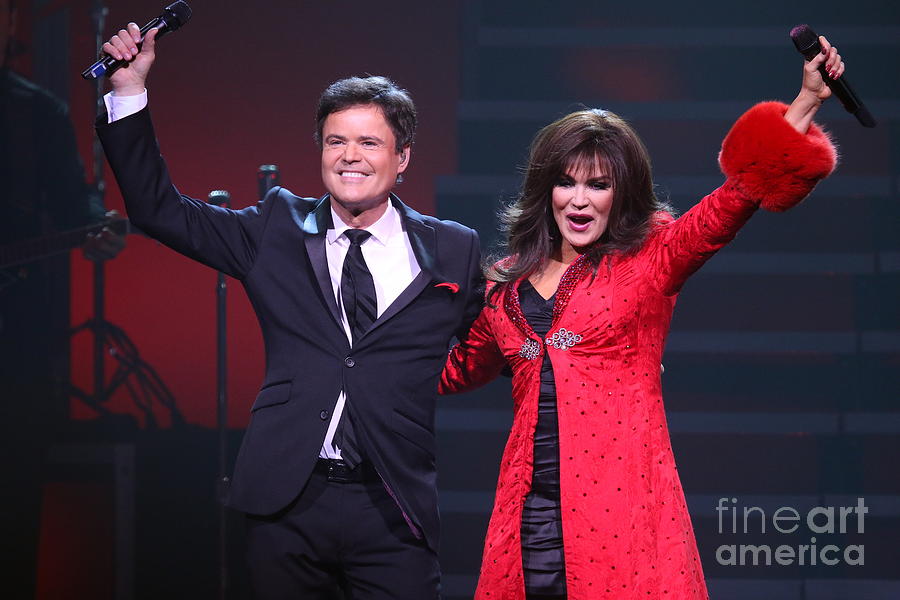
[801, 111]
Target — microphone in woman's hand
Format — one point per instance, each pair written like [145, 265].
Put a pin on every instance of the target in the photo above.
[807, 43]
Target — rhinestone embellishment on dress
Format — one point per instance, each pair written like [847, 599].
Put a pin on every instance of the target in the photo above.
[530, 349]
[563, 339]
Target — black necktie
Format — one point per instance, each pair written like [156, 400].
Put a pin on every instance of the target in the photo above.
[361, 308]
[357, 286]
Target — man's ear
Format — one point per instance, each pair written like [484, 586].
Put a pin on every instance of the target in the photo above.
[404, 159]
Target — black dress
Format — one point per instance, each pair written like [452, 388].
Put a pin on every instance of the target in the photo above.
[542, 548]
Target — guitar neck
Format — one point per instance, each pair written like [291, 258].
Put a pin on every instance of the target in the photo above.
[19, 253]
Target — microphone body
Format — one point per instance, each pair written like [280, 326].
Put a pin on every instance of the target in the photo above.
[267, 177]
[219, 198]
[174, 16]
[807, 43]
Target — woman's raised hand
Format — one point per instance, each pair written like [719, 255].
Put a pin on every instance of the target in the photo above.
[814, 91]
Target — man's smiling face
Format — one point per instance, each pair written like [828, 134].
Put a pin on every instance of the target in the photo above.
[360, 161]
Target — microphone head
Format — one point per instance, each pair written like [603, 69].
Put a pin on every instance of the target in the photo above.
[219, 198]
[805, 40]
[177, 14]
[267, 177]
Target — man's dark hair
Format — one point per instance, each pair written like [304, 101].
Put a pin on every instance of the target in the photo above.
[394, 102]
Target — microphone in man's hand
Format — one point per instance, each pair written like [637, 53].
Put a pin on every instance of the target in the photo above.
[173, 16]
[807, 43]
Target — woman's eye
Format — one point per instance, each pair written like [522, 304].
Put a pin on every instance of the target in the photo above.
[600, 185]
[564, 183]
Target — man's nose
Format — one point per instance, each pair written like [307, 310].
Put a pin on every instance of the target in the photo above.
[351, 153]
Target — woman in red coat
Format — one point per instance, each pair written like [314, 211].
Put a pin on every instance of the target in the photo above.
[588, 503]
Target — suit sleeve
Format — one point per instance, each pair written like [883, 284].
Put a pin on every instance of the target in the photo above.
[767, 163]
[223, 239]
[475, 298]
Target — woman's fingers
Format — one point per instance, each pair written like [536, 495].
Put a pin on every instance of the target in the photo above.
[834, 65]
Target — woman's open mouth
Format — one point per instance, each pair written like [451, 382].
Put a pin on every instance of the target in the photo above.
[579, 222]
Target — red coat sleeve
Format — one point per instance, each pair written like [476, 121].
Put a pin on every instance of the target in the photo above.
[772, 162]
[474, 361]
[767, 163]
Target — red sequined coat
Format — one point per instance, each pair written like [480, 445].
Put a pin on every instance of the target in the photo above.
[626, 528]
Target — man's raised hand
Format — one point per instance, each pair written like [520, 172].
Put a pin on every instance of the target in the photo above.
[131, 79]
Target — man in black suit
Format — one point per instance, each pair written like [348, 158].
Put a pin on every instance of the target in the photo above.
[358, 297]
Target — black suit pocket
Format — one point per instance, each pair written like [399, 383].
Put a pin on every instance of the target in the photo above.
[414, 432]
[277, 393]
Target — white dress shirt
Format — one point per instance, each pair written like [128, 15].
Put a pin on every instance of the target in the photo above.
[119, 107]
[390, 259]
[387, 253]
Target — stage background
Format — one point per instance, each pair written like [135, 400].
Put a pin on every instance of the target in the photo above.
[781, 374]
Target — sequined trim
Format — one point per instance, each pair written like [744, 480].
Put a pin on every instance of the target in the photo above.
[530, 349]
[571, 278]
[573, 275]
[514, 309]
[563, 339]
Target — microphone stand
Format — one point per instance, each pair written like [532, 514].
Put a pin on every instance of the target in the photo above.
[222, 198]
[99, 13]
[267, 178]
[108, 337]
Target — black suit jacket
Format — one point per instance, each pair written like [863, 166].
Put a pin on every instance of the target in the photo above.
[277, 250]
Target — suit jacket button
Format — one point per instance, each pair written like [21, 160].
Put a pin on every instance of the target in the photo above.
[323, 415]
[349, 361]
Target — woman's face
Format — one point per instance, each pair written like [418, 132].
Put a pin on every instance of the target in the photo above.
[581, 200]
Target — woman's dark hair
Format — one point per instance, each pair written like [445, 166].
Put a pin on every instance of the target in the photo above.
[580, 140]
[395, 103]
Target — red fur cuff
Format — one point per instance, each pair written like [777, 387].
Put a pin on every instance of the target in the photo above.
[771, 161]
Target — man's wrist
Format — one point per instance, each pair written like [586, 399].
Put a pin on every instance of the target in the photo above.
[135, 90]
[119, 106]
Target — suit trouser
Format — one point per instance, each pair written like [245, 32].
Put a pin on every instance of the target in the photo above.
[348, 536]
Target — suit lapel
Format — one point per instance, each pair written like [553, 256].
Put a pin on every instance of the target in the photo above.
[406, 296]
[422, 239]
[315, 225]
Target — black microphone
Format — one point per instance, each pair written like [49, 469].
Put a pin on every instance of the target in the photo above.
[807, 43]
[267, 177]
[219, 198]
[174, 16]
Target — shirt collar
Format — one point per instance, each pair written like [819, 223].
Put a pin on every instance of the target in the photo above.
[381, 230]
